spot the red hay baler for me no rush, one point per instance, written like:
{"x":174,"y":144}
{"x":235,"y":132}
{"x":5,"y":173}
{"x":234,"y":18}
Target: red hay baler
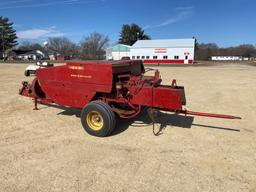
{"x":104,"y":90}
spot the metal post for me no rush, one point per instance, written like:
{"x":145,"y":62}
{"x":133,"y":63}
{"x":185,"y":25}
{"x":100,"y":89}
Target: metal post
{"x":3,"y":45}
{"x":118,"y":51}
{"x":2,"y":26}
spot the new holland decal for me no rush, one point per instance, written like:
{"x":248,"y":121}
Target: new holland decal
{"x":81,"y":76}
{"x":76,"y":67}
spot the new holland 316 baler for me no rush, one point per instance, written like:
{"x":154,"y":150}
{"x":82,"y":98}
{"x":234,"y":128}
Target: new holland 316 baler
{"x":104,"y":90}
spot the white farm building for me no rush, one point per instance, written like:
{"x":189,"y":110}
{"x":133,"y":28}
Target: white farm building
{"x":226,"y":58}
{"x":118,"y":52}
{"x":163,"y":51}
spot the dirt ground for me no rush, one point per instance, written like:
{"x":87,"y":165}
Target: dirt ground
{"x":48,"y":150}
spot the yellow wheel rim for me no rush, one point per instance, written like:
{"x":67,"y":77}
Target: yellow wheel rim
{"x":94,"y":120}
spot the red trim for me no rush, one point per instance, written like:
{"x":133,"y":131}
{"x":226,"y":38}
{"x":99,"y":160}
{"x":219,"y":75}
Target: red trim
{"x":166,"y":61}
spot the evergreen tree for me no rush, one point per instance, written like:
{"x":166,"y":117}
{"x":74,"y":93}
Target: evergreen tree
{"x":7,"y":34}
{"x":131,"y":33}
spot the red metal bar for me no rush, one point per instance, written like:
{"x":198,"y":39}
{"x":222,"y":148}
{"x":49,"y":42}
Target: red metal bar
{"x":186,"y":112}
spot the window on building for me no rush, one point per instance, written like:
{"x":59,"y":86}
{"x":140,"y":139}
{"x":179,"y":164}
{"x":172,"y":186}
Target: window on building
{"x":143,"y":57}
{"x":154,"y":57}
{"x":176,"y":57}
{"x":138,"y":57}
{"x":133,"y":57}
{"x":147,"y":57}
{"x":165,"y":57}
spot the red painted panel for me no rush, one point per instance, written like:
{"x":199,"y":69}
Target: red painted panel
{"x":75,"y":84}
{"x":164,"y":97}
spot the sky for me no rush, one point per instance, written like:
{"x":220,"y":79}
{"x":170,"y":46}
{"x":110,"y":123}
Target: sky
{"x":224,"y":22}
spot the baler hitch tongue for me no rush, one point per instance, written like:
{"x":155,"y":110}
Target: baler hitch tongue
{"x":186,"y":112}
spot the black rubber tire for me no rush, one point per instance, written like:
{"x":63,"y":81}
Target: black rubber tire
{"x":109,"y":119}
{"x":26,"y":73}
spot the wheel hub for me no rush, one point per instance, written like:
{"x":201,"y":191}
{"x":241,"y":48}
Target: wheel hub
{"x":94,"y":120}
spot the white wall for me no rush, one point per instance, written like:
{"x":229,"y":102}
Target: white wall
{"x":160,"y":52}
{"x":119,"y":55}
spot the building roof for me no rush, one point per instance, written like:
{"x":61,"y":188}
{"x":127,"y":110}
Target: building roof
{"x":165,"y":43}
{"x":121,"y":48}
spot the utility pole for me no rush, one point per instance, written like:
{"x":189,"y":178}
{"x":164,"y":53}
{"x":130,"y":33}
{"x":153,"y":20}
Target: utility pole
{"x":3,"y":44}
{"x":2,"y":26}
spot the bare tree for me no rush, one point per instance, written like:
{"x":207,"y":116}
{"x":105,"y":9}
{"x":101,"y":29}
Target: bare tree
{"x":205,"y":51}
{"x":26,"y":45}
{"x":62,"y":45}
{"x":93,"y":47}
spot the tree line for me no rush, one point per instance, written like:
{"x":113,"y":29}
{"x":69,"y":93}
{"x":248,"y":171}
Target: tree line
{"x":94,"y":45}
{"x":90,"y":47}
{"x":205,"y":51}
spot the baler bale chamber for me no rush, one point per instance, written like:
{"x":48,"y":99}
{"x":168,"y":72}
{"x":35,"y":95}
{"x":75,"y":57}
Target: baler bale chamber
{"x":105,"y":90}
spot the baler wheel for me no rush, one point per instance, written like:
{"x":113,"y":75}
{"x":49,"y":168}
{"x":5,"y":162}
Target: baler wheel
{"x":98,"y":119}
{"x":26,"y":73}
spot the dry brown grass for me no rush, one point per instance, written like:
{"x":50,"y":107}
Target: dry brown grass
{"x":48,"y":150}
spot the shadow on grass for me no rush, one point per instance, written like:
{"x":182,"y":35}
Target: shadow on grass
{"x":162,"y":120}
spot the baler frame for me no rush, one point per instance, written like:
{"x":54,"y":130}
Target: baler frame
{"x":123,"y":91}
